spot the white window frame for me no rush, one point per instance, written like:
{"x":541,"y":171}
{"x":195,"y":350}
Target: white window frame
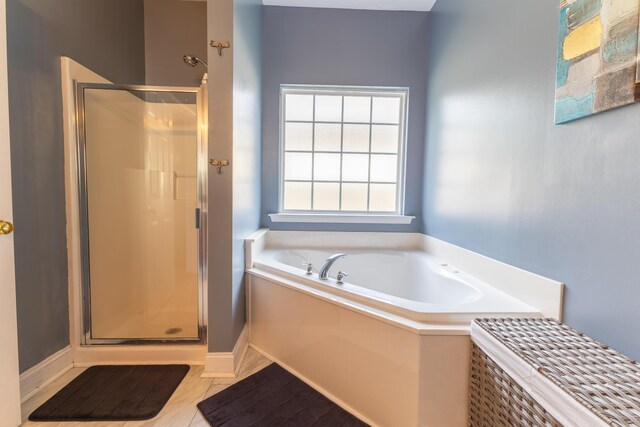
{"x":339,"y":216}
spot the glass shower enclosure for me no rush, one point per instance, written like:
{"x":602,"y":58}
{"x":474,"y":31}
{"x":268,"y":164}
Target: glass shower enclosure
{"x":142,"y":166}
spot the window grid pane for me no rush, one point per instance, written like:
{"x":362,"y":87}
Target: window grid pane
{"x":369,"y":170}
{"x":313,"y":149}
{"x":341,"y":151}
{"x":350,"y":178}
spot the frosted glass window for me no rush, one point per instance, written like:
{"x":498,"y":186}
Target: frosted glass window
{"x":299,"y":107}
{"x":326,"y":167}
{"x":357,"y":109}
{"x":386,"y":110}
{"x":382,"y":197}
{"x":328,"y":108}
{"x":326,"y":197}
{"x":354,"y":197}
{"x":355,"y":167}
{"x":297,"y":195}
{"x":356,"y":138}
{"x":342,"y":149}
{"x":297,"y":166}
{"x":298,"y":136}
{"x":385,"y":138}
{"x":384,"y":168}
{"x":328,"y":137}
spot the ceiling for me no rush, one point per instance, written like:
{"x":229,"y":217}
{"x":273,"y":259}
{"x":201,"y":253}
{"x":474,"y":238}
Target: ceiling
{"x":409,"y":5}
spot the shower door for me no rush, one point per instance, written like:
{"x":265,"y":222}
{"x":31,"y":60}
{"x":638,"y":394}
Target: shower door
{"x":142,"y":191}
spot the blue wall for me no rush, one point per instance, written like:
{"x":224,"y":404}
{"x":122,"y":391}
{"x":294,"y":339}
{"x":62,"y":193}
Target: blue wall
{"x":235,"y":126}
{"x":343,"y":47}
{"x":247,"y":143}
{"x":502,"y":180}
{"x":108,"y":37}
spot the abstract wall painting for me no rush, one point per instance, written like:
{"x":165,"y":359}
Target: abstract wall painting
{"x":598,"y":54}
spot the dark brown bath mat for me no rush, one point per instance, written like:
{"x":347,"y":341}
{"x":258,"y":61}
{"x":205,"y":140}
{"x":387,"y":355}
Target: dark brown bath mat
{"x":113,"y":393}
{"x":273,"y":397}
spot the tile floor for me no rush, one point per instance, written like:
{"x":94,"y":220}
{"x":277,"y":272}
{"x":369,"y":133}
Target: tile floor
{"x":181,"y":409}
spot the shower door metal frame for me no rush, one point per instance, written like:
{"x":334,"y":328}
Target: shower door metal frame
{"x":201,"y":204}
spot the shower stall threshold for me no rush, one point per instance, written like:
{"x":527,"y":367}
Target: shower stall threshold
{"x":191,"y":354}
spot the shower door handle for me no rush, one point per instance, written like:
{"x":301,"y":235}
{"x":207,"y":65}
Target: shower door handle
{"x":198,"y":218}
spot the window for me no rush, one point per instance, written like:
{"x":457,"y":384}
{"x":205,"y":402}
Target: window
{"x":342,"y":150}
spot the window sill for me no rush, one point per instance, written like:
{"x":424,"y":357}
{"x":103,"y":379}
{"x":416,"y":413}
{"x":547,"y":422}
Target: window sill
{"x":341,"y":218}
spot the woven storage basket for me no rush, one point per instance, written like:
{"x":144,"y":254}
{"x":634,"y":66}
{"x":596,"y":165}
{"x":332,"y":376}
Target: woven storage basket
{"x":594,"y":382}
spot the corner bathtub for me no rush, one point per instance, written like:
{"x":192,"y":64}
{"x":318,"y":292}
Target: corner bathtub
{"x":412,"y":284}
{"x":391,"y":345}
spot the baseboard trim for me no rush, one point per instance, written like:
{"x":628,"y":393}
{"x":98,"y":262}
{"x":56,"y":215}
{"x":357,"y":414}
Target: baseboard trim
{"x":44,"y":373}
{"x":313,"y":385}
{"x":227,"y":364}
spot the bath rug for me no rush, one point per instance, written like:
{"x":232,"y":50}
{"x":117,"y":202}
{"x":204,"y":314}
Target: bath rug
{"x":274,"y":397}
{"x":113,"y":393}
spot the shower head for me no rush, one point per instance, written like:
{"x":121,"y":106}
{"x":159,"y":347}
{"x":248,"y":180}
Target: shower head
{"x":193,"y":61}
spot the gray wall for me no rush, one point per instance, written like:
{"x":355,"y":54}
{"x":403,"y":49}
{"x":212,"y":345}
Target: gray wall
{"x":344,"y":47}
{"x":108,"y":37}
{"x":234,"y":134}
{"x":502,"y":180}
{"x":173,"y":28}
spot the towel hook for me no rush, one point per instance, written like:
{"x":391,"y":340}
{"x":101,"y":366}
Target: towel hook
{"x":220,"y":46}
{"x":219,"y":164}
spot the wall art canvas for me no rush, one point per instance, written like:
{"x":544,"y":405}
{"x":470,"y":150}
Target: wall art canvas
{"x":597,"y":57}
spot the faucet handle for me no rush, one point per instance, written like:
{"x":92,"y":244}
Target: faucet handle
{"x":309,"y":267}
{"x":340,"y":278}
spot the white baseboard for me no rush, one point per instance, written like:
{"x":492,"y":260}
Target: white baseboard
{"x":227,"y":364}
{"x":313,"y":385}
{"x":44,"y":373}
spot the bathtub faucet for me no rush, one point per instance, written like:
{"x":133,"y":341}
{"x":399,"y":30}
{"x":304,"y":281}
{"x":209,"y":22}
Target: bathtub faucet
{"x":323,"y":274}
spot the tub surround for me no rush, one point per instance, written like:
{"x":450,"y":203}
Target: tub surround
{"x":543,"y":294}
{"x":412,"y":284}
{"x":342,"y":344}
{"x":385,"y":375}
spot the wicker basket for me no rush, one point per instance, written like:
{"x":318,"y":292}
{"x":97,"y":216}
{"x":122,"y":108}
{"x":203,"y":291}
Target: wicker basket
{"x":497,"y":400}
{"x":594,"y":378}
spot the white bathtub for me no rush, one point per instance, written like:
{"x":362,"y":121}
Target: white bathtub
{"x":413,"y":284}
{"x":391,"y":344}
